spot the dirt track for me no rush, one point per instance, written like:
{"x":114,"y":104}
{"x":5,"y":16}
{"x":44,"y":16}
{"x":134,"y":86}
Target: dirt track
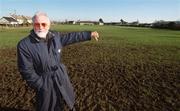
{"x":103,"y":81}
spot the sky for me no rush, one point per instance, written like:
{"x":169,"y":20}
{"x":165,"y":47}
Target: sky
{"x":145,"y":11}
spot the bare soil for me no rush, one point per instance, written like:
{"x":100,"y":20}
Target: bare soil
{"x":104,"y":79}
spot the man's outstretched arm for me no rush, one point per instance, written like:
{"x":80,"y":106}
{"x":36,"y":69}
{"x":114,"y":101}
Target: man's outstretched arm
{"x":75,"y":37}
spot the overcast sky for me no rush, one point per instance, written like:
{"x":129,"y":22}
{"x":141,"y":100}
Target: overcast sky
{"x":108,"y":10}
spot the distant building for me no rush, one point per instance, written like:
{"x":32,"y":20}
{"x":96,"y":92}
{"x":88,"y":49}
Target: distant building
{"x":70,"y":22}
{"x":16,"y":20}
{"x":101,"y":23}
{"x":8,"y":21}
{"x":22,"y":20}
{"x":27,"y":19}
{"x":19,"y":18}
{"x":88,"y":22}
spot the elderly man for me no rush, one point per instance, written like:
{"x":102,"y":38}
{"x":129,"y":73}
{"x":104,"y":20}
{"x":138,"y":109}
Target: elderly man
{"x":39,"y":63}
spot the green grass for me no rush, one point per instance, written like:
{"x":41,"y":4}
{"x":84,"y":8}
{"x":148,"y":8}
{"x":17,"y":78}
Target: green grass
{"x":160,"y":42}
{"x":110,"y":34}
{"x":9,"y":37}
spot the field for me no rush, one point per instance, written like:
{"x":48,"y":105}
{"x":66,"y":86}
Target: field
{"x":129,"y":69}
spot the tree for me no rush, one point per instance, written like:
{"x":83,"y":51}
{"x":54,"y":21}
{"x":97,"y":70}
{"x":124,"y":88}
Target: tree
{"x":172,"y":25}
{"x":123,"y":22}
{"x":101,"y":20}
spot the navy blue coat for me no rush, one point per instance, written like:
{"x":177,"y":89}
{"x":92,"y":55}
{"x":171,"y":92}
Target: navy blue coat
{"x":39,"y":63}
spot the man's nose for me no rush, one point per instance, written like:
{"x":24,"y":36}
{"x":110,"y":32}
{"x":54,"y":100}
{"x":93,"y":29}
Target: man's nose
{"x":40,"y":26}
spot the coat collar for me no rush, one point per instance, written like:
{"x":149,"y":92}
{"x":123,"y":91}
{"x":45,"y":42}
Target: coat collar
{"x":49,"y":36}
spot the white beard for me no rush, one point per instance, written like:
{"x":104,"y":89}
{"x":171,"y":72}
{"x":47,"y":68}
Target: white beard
{"x":41,"y":34}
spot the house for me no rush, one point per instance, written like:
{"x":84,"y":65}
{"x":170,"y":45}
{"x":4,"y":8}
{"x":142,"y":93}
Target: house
{"x":19,"y":18}
{"x":27,"y":19}
{"x":8,"y":21}
{"x":87,"y":22}
{"x":70,"y":22}
{"x":101,"y":23}
{"x":22,"y":20}
{"x":90,"y":23}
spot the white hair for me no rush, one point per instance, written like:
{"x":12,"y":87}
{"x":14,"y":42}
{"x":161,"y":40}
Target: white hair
{"x":37,"y":14}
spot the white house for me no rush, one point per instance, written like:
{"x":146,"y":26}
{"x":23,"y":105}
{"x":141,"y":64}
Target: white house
{"x":22,"y":20}
{"x":27,"y":19}
{"x":8,"y":21}
{"x":101,"y":23}
{"x":19,"y":18}
{"x":88,"y":22}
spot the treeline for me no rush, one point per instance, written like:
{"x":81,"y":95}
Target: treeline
{"x":161,"y":24}
{"x":175,"y":25}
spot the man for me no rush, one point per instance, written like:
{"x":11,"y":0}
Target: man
{"x":40,"y":64}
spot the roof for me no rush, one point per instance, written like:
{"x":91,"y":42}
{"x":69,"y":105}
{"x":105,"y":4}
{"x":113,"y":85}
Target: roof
{"x":27,"y":17}
{"x":10,"y":19}
{"x":17,"y":16}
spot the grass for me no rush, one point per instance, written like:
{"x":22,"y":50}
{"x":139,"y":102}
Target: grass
{"x":159,"y":42}
{"x":111,"y":34}
{"x":9,"y":37}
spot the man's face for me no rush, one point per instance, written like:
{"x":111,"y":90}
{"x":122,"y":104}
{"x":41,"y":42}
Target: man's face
{"x":41,"y":26}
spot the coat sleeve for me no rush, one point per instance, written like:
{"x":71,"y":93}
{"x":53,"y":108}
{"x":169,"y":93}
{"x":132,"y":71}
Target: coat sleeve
{"x":74,"y":37}
{"x":26,"y":69}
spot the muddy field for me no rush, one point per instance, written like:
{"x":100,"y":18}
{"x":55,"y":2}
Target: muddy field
{"x":105,"y":78}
